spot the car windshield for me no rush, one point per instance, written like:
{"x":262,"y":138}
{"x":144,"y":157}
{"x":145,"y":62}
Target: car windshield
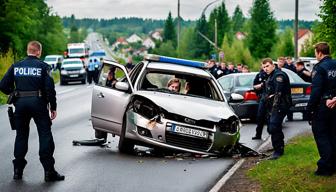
{"x":245,"y":81}
{"x":98,"y":54}
{"x":226,"y":83}
{"x":181,"y":84}
{"x":72,"y":62}
{"x":76,"y":50}
{"x":50,"y":59}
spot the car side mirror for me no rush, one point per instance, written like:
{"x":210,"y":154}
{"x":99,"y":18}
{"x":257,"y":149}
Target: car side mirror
{"x":123,"y":86}
{"x":236,"y":98}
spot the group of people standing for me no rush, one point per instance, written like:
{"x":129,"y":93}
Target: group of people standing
{"x":220,"y":69}
{"x":93,"y":68}
{"x":273,"y":88}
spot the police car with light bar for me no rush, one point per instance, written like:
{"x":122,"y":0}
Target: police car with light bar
{"x":141,"y":108}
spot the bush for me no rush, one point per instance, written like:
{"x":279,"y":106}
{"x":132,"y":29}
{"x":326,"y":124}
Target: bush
{"x":6,"y":60}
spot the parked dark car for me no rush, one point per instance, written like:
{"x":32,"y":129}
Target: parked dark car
{"x":242,"y":83}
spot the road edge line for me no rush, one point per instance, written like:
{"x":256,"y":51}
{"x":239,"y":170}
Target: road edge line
{"x":234,"y":168}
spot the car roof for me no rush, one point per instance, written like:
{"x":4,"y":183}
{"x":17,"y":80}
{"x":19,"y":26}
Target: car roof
{"x":240,"y":74}
{"x":177,"y":68}
{"x":53,"y":56}
{"x":72,"y":59}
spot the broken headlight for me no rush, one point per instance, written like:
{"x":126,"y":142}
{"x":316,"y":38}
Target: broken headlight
{"x":146,"y":108}
{"x":230,"y":125}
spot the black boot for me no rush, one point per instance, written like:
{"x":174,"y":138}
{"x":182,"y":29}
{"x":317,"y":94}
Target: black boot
{"x":256,"y":137}
{"x":18,"y":174}
{"x":50,"y":176}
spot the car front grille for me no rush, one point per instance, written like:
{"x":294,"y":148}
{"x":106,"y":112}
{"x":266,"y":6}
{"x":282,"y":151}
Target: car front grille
{"x":188,"y":142}
{"x":180,"y":118}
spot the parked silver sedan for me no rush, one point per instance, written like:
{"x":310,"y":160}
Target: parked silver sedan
{"x":142,"y":109}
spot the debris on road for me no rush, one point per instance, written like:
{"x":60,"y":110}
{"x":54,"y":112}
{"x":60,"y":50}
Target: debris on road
{"x":91,"y":142}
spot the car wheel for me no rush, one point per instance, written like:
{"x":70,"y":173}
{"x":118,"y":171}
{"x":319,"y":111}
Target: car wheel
{"x":84,"y":81}
{"x":125,"y":145}
{"x":100,"y":134}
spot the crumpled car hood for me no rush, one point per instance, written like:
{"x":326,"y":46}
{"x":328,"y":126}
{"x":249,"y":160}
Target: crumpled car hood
{"x":191,"y":107}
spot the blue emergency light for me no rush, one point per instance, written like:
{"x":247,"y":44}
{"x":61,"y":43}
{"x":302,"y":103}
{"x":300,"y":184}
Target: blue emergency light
{"x":164,"y":59}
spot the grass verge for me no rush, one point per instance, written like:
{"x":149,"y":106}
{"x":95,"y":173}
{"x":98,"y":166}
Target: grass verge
{"x":294,"y":171}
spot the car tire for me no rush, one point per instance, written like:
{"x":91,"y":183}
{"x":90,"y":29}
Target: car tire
{"x":84,"y":81}
{"x":101,"y":134}
{"x":125,"y":145}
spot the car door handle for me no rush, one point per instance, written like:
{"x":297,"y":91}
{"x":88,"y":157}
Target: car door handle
{"x":100,"y":95}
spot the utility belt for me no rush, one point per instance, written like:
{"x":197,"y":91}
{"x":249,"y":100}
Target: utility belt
{"x":28,"y":93}
{"x":17,"y":94}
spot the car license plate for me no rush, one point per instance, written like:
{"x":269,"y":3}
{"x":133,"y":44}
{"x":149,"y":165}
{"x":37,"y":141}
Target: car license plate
{"x":73,"y":72}
{"x":301,"y":105}
{"x":298,"y":90}
{"x":189,"y":131}
{"x":73,"y":75}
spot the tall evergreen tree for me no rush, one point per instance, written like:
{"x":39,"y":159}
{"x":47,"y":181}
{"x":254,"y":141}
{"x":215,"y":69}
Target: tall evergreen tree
{"x":169,"y":33}
{"x":238,"y":19}
{"x":221,"y":16}
{"x":261,"y":36}
{"x":223,"y":23}
{"x":326,"y":30}
{"x":202,"y":46}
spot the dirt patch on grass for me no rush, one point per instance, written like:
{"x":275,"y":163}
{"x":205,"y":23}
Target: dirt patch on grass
{"x":240,"y":182}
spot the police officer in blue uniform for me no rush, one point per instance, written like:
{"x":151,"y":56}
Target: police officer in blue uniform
{"x":213,"y":69}
{"x":278,"y":100}
{"x":259,"y":87}
{"x":34,"y":90}
{"x":91,"y":69}
{"x":322,"y":107}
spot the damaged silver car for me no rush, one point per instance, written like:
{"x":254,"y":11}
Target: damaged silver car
{"x":142,"y":109}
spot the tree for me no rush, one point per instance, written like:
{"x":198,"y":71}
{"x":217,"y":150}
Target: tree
{"x":187,"y":46}
{"x":261,"y":36}
{"x":24,"y":20}
{"x":221,"y":16}
{"x":166,"y":49}
{"x":284,"y":45}
{"x":326,"y":30}
{"x":236,"y":52}
{"x":202,"y":46}
{"x":238,"y":19}
{"x":169,"y":33}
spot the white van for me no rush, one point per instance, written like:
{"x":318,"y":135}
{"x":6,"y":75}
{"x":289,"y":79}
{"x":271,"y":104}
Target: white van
{"x":53,"y":60}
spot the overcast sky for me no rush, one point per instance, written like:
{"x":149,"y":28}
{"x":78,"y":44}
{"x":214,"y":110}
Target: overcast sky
{"x":158,"y":9}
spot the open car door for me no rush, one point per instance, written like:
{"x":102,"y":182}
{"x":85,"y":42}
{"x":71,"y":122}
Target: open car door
{"x":110,"y":98}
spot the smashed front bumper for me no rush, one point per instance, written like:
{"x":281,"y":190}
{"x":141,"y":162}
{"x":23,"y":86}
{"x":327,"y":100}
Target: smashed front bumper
{"x":162,"y":133}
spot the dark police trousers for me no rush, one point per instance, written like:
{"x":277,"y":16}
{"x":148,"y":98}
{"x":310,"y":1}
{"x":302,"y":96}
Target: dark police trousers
{"x":261,"y":117}
{"x":324,"y":130}
{"x":36,"y":108}
{"x":274,"y":128}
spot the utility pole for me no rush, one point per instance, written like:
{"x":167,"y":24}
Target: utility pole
{"x":216,"y":37}
{"x":202,"y":35}
{"x":296,"y":23}
{"x":178,"y":27}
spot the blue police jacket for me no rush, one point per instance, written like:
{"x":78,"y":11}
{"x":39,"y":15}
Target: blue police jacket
{"x":30,"y":74}
{"x":278,"y":85}
{"x":323,"y":82}
{"x":93,"y":64}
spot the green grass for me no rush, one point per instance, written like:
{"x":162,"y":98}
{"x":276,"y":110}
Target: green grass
{"x":294,"y":171}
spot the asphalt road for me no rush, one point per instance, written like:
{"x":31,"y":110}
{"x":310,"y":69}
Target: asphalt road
{"x":94,"y":168}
